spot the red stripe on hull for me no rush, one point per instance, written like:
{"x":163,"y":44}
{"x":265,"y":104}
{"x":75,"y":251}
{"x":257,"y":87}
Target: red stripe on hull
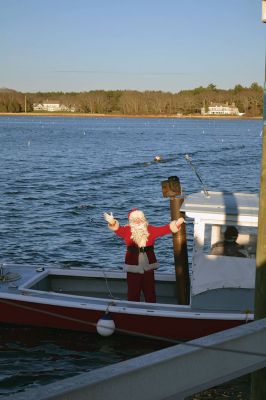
{"x":44,"y":315}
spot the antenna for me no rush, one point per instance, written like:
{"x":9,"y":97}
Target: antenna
{"x":189,"y":160}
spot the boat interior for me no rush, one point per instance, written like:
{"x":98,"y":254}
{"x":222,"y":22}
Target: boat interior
{"x":112,"y":285}
{"x":99,"y":284}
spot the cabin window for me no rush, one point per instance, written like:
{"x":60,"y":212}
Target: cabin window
{"x":229,"y":240}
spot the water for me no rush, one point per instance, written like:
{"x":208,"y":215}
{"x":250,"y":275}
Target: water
{"x":58,"y":176}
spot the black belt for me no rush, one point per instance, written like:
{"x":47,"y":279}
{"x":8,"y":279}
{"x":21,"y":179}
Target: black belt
{"x":135,"y":249}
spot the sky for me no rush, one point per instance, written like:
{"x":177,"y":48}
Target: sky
{"x":167,"y":45}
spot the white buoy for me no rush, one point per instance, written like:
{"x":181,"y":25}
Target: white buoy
{"x":105,"y":325}
{"x":157,"y":158}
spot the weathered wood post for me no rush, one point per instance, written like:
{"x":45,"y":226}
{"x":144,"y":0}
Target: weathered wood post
{"x":171,"y":188}
{"x":258,"y":386}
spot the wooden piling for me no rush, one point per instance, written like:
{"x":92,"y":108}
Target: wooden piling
{"x":259,"y":377}
{"x":171,"y":188}
{"x":258,"y":382}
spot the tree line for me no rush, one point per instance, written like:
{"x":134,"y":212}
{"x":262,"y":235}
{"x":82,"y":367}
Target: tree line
{"x":249,"y":100}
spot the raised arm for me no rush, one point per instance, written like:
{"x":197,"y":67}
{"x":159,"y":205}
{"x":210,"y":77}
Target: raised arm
{"x":113,"y":224}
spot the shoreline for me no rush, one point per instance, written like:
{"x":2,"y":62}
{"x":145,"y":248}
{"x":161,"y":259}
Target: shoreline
{"x":87,"y":115}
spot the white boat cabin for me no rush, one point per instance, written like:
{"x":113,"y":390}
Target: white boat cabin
{"x":222,"y":264}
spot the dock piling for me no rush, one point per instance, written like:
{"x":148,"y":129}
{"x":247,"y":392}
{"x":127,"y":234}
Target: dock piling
{"x":171,"y":188}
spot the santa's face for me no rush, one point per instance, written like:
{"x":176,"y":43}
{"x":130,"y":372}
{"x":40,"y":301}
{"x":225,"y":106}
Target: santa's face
{"x":136,"y":221}
{"x":139,"y":231}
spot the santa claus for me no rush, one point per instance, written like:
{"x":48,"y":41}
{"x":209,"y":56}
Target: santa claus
{"x":140,"y":259}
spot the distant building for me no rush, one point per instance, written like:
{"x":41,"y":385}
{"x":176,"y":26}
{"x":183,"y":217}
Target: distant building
{"x":220,"y":109}
{"x":52,"y":106}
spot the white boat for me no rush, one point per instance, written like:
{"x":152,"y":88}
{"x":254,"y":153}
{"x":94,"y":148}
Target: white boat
{"x":86,"y":299}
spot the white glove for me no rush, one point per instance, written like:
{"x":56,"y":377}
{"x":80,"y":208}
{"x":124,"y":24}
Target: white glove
{"x":180,"y":221}
{"x":109,"y":218}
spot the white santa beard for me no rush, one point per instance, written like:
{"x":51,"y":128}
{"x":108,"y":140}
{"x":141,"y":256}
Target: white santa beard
{"x":139,"y":233}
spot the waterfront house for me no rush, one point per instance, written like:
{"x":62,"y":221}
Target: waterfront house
{"x":52,"y":106}
{"x":220,"y":109}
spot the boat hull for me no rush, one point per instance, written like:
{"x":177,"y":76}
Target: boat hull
{"x":85,"y":319}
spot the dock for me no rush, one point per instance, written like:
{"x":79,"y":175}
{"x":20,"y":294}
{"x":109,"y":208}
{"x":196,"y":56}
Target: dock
{"x":173,"y":373}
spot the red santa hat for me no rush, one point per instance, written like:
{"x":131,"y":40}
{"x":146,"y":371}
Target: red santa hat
{"x":136,"y":213}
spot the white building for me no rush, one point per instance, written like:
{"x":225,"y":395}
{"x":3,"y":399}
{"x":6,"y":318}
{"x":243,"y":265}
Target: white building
{"x":221,"y":109}
{"x":52,"y":106}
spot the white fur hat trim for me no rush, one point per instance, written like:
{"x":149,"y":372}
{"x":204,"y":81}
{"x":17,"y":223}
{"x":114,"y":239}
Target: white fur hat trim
{"x":136,"y":214}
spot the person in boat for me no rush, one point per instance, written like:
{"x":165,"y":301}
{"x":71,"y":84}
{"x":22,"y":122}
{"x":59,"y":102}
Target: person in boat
{"x":229,"y":246}
{"x":140,"y":259}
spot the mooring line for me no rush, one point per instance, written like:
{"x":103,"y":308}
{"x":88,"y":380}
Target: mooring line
{"x":137,"y":334}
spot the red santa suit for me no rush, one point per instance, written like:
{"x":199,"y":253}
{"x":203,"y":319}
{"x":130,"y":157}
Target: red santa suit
{"x":140,"y":261}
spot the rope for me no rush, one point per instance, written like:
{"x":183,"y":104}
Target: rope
{"x":10,"y":277}
{"x":136,"y":334}
{"x":108,"y":287}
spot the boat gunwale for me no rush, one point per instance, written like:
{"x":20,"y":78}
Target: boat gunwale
{"x":130,"y":307}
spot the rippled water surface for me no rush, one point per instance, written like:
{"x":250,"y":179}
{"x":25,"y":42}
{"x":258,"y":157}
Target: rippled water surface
{"x":58,"y":176}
